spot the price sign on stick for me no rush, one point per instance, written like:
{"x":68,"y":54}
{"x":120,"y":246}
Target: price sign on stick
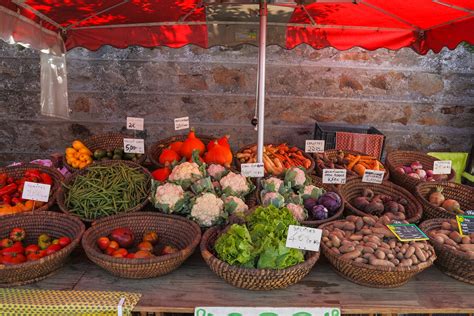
{"x":373,"y":176}
{"x":133,"y":146}
{"x":335,"y":176}
{"x":314,"y":146}
{"x":442,"y":167}
{"x":267,"y":311}
{"x":252,"y":170}
{"x":135,"y":123}
{"x":36,"y":191}
{"x":304,"y":238}
{"x":407,"y":232}
{"x":465,"y":224}
{"x":181,"y":123}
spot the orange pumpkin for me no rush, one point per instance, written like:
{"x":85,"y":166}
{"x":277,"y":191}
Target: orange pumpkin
{"x":219,"y":154}
{"x":224,"y":141}
{"x":168,"y":156}
{"x":176,"y":146}
{"x":191,"y":144}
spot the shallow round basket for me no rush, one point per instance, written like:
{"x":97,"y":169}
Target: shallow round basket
{"x":107,"y":141}
{"x":154,"y":151}
{"x":331,"y":153}
{"x":399,"y":158}
{"x":354,"y":187}
{"x":36,"y":223}
{"x":18,"y":172}
{"x":62,"y":191}
{"x":461,"y":193}
{"x":172,"y":230}
{"x":456,"y":264}
{"x":372,"y":276}
{"x":253,"y":279}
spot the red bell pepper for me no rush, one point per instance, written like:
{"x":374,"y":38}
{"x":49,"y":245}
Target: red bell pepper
{"x":46,"y":179}
{"x":32,"y":173}
{"x":6,"y":199}
{"x":8,"y":189}
{"x":3,"y":179}
{"x":13,"y":250}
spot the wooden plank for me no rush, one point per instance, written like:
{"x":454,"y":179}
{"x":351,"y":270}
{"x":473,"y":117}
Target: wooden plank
{"x":194,"y":284}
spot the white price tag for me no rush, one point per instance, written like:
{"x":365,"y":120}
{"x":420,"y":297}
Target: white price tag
{"x":252,"y":170}
{"x":314,"y":146}
{"x":267,"y":311}
{"x":304,"y":238}
{"x":335,"y":176}
{"x":373,"y":176}
{"x":442,"y":167}
{"x":181,"y":123}
{"x":133,"y":146}
{"x":135,"y":123}
{"x":36,"y":191}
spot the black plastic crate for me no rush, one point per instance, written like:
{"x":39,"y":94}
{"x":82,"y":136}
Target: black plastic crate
{"x":327,"y":132}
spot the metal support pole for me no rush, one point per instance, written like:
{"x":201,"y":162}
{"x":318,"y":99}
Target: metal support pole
{"x":262,"y":46}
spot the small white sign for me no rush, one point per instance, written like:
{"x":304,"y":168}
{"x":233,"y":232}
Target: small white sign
{"x":133,"y":146}
{"x":304,"y":238}
{"x":267,"y":311}
{"x":252,"y":170}
{"x":442,"y":167}
{"x":373,"y":176}
{"x":314,"y":146}
{"x":36,"y":191}
{"x":135,"y":123}
{"x":181,"y":123}
{"x":334,"y":176}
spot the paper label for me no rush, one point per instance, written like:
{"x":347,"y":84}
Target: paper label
{"x":335,"y":176}
{"x":181,"y":123}
{"x":304,"y":238}
{"x":373,"y":176}
{"x":133,"y":146}
{"x":407,"y":232}
{"x":465,"y":224}
{"x":252,"y":170}
{"x":267,"y":311}
{"x":314,"y":146}
{"x":442,"y":167}
{"x":36,"y":191}
{"x":135,"y":123}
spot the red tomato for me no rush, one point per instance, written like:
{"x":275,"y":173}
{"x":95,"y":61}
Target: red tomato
{"x":52,"y":249}
{"x":109,"y":251}
{"x":13,"y":259}
{"x":36,"y":255}
{"x":130,"y":256}
{"x":64,"y":241}
{"x":6,"y":243}
{"x":31,"y":248}
{"x":103,"y":243}
{"x":15,"y":249}
{"x":114,"y":245}
{"x":120,"y":253}
{"x":17,"y":234}
{"x":145,"y":246}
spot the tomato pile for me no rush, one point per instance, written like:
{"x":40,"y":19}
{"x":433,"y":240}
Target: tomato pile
{"x":13,"y":250}
{"x":120,"y":243}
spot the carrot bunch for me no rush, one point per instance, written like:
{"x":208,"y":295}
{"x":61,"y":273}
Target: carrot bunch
{"x":355,"y":164}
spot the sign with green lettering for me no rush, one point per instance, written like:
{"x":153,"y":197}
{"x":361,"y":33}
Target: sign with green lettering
{"x":267,"y":311}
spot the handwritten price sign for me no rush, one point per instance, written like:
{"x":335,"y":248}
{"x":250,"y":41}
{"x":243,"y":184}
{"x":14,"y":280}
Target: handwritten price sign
{"x":135,"y":123}
{"x":442,"y":167}
{"x":36,"y":191}
{"x":373,"y":176}
{"x":133,"y":146}
{"x":314,"y":146}
{"x":304,"y":238}
{"x":334,"y":176}
{"x":252,"y":170}
{"x":181,"y":123}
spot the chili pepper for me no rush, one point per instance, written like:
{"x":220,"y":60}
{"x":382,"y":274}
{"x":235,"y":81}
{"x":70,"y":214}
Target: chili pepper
{"x":6,"y":199}
{"x":8,"y":189}
{"x":46,"y":179}
{"x":33,"y":179}
{"x":32,"y":173}
{"x":20,"y":187}
{"x":3,"y":179}
{"x":17,"y":194}
{"x":16,"y":201}
{"x":10,"y":180}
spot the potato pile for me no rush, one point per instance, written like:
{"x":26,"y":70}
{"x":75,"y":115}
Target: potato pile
{"x":449,"y":236}
{"x":367,"y":240}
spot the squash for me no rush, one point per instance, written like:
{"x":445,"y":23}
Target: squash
{"x":224,"y":141}
{"x":191,"y":144}
{"x":219,"y":154}
{"x":168,"y":156}
{"x":176,"y":146}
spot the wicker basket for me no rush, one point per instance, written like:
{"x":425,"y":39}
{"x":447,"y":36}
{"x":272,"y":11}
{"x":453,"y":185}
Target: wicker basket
{"x":396,"y":159}
{"x":354,"y":187}
{"x":36,"y":223}
{"x":372,"y":276}
{"x":62,"y":191}
{"x":155,"y":150}
{"x":18,"y":171}
{"x":461,"y":193}
{"x":107,"y":141}
{"x":331,"y":153}
{"x":308,"y":171}
{"x":253,"y":279}
{"x":177,"y":231}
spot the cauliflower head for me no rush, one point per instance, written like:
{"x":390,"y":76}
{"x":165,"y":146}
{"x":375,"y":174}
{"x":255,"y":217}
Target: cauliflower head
{"x":272,"y":184}
{"x":298,"y":211}
{"x":170,"y":198}
{"x":235,"y":184}
{"x":216,"y":171}
{"x":295,"y":177}
{"x":311,"y":191}
{"x":185,"y":174}
{"x":233,"y":204}
{"x":272,"y":198}
{"x":208,"y":210}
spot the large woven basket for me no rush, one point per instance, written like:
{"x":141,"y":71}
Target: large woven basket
{"x":107,"y":141}
{"x":253,"y":279}
{"x":461,"y":193}
{"x":19,"y":171}
{"x":36,"y":223}
{"x":372,"y":276}
{"x":62,"y":191}
{"x":454,"y":263}
{"x":155,"y":150}
{"x":238,"y":163}
{"x":174,"y":230}
{"x":331,"y":153}
{"x":396,"y":159}
{"x":354,"y":187}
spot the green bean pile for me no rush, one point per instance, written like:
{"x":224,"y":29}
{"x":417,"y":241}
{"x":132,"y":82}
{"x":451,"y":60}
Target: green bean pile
{"x":106,"y":190}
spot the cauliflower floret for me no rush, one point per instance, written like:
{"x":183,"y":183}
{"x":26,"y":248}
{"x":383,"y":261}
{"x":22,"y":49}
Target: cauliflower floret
{"x":298,"y":211}
{"x":185,"y":171}
{"x":234,"y":184}
{"x":273,"y":198}
{"x":216,"y":171}
{"x":309,"y":189}
{"x":235,"y":204}
{"x":169,"y":194}
{"x":272,"y":184}
{"x":207,"y":210}
{"x":295,"y":176}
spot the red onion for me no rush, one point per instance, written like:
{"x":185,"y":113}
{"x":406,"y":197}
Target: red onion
{"x":414,"y":175}
{"x":421,"y":173}
{"x":400,"y":170}
{"x":407,"y":169}
{"x":429,"y":173}
{"x":416,"y":165}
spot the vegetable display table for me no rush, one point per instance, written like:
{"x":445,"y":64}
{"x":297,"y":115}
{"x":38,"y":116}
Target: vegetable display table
{"x":194,"y":284}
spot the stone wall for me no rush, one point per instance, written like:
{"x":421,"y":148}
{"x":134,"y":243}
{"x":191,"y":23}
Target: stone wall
{"x":419,"y":102}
